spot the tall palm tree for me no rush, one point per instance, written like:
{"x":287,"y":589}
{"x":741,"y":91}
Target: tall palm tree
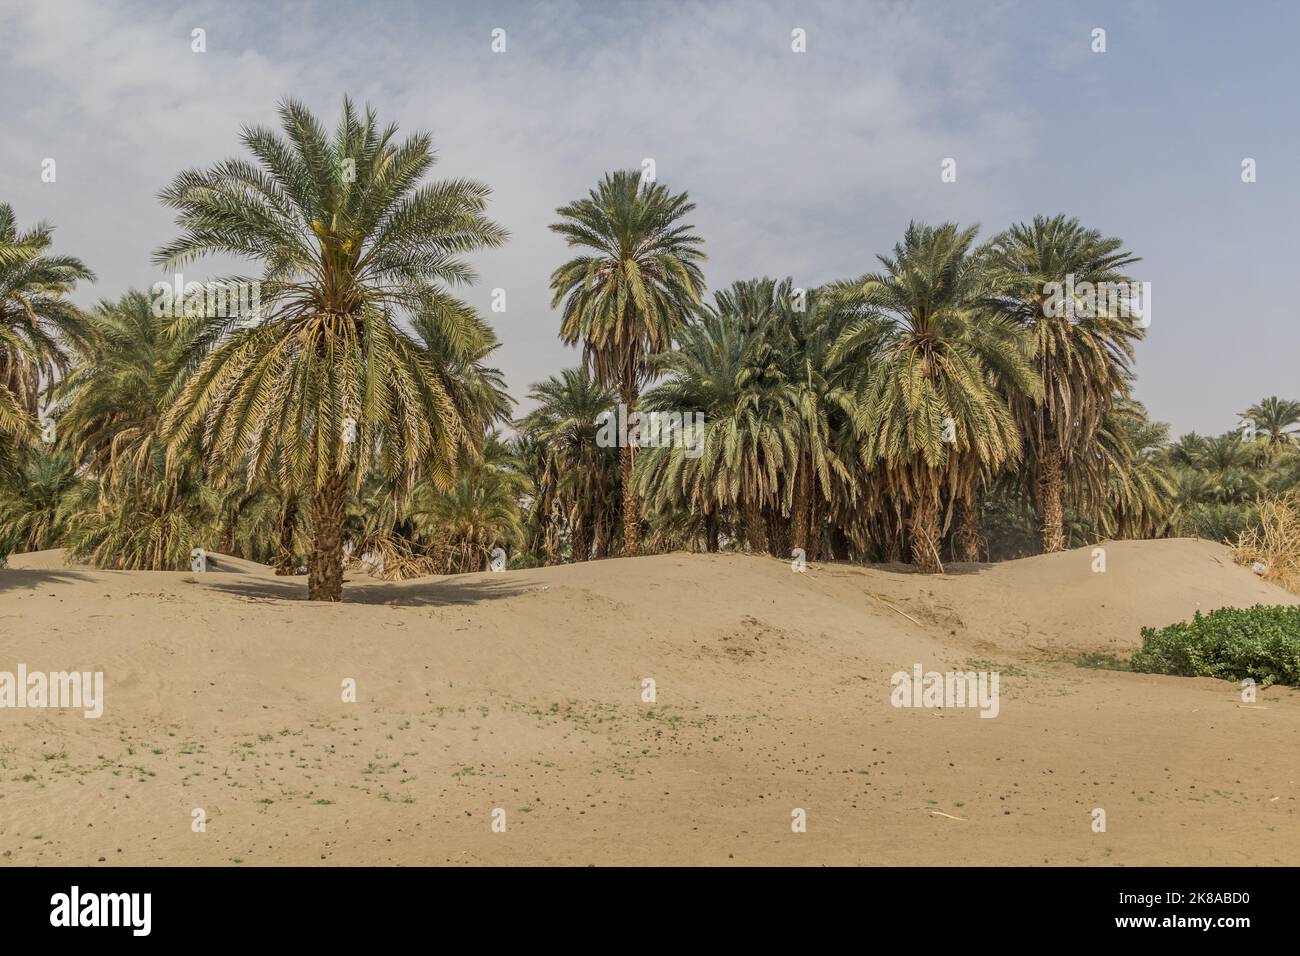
{"x":39,"y":325}
{"x":1082,"y":356}
{"x":931,"y":405}
{"x":1277,"y":420}
{"x":628,"y":294}
{"x":350,"y":243}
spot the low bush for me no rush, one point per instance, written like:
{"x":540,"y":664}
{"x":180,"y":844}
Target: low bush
{"x":1261,"y":642}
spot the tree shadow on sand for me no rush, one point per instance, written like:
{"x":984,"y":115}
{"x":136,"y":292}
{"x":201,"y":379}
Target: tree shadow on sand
{"x":427,"y":592}
{"x":12,"y":579}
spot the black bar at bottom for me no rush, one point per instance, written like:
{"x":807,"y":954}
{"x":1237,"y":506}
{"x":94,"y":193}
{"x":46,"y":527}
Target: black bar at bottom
{"x":331,"y":906}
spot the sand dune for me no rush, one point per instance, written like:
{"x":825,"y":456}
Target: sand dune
{"x":523,"y":691}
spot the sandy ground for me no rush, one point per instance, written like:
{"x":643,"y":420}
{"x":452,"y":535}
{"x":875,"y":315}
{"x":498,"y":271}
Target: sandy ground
{"x":523,"y":691}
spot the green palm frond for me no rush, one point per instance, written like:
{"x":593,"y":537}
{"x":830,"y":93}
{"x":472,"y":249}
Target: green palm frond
{"x":357,"y":256}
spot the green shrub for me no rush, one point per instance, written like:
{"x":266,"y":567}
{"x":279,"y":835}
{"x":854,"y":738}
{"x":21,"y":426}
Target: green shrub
{"x":1261,"y":642}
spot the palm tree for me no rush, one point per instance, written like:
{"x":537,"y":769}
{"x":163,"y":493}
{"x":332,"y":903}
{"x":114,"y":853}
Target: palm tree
{"x":38,"y":326}
{"x":146,"y":520}
{"x":127,"y":374}
{"x":131,"y":511}
{"x":476,"y":515}
{"x":818,"y":404}
{"x":725,"y":368}
{"x":32,"y":512}
{"x":1187,"y":451}
{"x":1082,"y":356}
{"x":1230,"y":466}
{"x":630,"y":292}
{"x":1275,"y":419}
{"x":1140,"y":495}
{"x":350,"y":243}
{"x":931,"y":409}
{"x":576,"y":478}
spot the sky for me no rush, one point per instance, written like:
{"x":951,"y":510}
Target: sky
{"x":802,"y":164}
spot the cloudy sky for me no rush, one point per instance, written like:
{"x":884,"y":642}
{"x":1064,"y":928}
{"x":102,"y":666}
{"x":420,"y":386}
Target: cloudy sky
{"x":804,"y":165}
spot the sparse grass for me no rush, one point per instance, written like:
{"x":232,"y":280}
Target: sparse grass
{"x":1003,"y":670}
{"x":1101,"y":662}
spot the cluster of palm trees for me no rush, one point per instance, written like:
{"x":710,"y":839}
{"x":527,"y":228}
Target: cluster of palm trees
{"x":1221,"y":479}
{"x":867,"y":418}
{"x":936,"y":408}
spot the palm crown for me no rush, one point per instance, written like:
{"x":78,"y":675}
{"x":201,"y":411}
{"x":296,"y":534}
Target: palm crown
{"x":39,"y":326}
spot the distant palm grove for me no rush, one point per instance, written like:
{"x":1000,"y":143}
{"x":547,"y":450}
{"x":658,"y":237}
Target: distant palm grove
{"x":936,"y":408}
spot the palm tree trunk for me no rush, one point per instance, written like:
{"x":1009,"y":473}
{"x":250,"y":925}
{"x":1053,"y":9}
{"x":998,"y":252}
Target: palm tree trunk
{"x":631,"y":500}
{"x":1050,"y":498}
{"x":802,"y":506}
{"x":581,"y":542}
{"x":839,"y":544}
{"x":549,"y":548}
{"x":711,"y":532}
{"x":924,"y":528}
{"x":286,"y":561}
{"x":816,"y":529}
{"x":778,"y":532}
{"x":969,"y":539}
{"x":891,"y":540}
{"x":325,"y":566}
{"x":755,"y":539}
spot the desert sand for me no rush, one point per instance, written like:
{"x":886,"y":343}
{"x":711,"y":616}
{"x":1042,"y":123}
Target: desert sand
{"x":522,"y":691}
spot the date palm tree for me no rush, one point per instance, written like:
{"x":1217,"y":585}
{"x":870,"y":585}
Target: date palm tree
{"x":576,"y":478}
{"x":1140,"y":493}
{"x":726,"y":369}
{"x":111,"y":403}
{"x":476,"y":514}
{"x":33,"y":515}
{"x":351,"y":242}
{"x":1277,"y":420}
{"x":629,"y":292}
{"x":932,"y":409}
{"x":39,"y":326}
{"x":1083,"y":356}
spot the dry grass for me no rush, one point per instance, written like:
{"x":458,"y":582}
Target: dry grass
{"x":1275,"y":542}
{"x":390,"y":557}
